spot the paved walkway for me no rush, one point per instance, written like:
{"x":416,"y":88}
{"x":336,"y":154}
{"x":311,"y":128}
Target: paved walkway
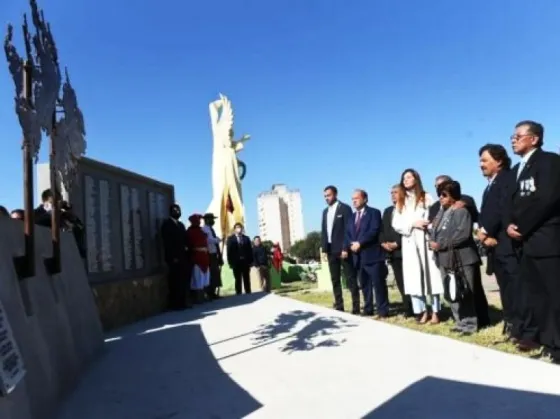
{"x":272,"y":357}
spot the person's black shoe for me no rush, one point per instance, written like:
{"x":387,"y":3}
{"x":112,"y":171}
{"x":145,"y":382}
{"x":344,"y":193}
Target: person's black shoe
{"x":367,"y":313}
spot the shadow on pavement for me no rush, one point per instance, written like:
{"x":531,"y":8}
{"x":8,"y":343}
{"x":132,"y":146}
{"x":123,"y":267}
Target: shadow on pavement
{"x":162,"y":368}
{"x":437,"y":398}
{"x":317,"y":331}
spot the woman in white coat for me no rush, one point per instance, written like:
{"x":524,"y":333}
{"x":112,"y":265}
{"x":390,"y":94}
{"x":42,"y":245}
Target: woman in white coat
{"x":422,"y":278}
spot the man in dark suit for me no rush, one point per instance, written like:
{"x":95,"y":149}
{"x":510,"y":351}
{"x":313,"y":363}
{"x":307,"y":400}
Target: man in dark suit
{"x":468,"y":201}
{"x":362,"y":245}
{"x":391,"y":243}
{"x":333,"y":230}
{"x":534,"y":226}
{"x":174,"y":238}
{"x":240,"y":259}
{"x":501,"y":259}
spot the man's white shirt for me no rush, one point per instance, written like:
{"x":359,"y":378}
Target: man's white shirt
{"x":331,"y":212}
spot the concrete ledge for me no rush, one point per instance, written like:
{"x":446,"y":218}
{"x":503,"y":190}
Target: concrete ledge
{"x":54,"y":322}
{"x":124,"y":302}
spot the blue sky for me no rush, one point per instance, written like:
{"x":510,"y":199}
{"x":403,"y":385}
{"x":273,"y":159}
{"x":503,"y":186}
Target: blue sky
{"x":341,"y":92}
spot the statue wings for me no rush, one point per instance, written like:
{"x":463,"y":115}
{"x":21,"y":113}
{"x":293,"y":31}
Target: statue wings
{"x":222,"y":120}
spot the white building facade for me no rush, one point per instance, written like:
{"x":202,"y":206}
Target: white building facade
{"x":281,"y":216}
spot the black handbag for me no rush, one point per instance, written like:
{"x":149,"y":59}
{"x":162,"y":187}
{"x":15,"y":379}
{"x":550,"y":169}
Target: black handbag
{"x":454,"y":284}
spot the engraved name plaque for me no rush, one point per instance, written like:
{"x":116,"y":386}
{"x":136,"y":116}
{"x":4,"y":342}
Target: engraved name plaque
{"x":105,"y":230}
{"x":126,"y":220}
{"x":137,"y":229}
{"x":12,"y":369}
{"x":91,"y":224}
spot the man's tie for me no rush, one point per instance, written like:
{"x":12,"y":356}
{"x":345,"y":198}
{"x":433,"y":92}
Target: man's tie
{"x":520,"y":168}
{"x":485,"y":194}
{"x":358,"y":219}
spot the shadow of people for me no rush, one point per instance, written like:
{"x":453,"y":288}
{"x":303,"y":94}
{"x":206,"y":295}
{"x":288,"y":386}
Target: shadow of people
{"x":317,"y":331}
{"x":165,"y":372}
{"x":437,"y":398}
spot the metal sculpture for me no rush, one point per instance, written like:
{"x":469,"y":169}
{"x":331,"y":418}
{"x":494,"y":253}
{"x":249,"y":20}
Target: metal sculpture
{"x":37,"y":81}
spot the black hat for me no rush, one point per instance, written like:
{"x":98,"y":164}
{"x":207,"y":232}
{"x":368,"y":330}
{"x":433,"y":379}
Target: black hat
{"x":209,"y":216}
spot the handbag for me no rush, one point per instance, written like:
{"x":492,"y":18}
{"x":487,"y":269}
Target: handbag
{"x":454,"y":284}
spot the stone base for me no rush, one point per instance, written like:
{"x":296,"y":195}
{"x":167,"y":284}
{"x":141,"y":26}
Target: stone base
{"x":124,"y":302}
{"x":53,"y":319}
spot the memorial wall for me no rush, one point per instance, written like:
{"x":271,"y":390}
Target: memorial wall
{"x":122,"y":213}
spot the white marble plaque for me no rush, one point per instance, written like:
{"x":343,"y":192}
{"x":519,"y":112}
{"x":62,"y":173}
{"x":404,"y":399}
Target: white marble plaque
{"x":12,"y":369}
{"x":137,"y":228}
{"x":126,"y":220}
{"x":105,"y":230}
{"x":90,"y":211}
{"x":162,"y":207}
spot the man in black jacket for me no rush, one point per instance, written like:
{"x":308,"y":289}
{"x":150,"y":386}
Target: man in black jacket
{"x":240,"y":258}
{"x":336,"y":217}
{"x":501,"y":259}
{"x":391,"y":243}
{"x":174,"y":237}
{"x":533,"y":223}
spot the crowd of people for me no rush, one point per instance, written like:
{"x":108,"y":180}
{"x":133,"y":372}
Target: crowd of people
{"x":432,"y":246}
{"x":194,"y":258}
{"x":42,"y":215}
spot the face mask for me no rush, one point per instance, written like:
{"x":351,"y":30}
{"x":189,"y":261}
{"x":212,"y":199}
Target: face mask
{"x":47,"y":206}
{"x":238,"y":231}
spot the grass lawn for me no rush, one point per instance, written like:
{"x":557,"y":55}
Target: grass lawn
{"x":490,"y":337}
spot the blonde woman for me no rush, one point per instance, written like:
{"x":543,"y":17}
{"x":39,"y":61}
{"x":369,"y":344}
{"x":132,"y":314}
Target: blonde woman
{"x":422,"y":278}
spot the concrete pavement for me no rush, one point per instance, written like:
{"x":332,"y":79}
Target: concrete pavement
{"x":272,"y":357}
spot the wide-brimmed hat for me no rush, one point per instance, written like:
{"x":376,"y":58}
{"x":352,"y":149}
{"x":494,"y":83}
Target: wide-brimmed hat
{"x":209,"y":216}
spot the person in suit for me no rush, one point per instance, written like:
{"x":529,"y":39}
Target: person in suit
{"x":533,"y":223}
{"x":501,"y":259}
{"x":174,"y":238}
{"x":336,"y":217}
{"x":391,"y":242}
{"x":466,"y":200}
{"x":240,"y":259}
{"x":363,"y":247}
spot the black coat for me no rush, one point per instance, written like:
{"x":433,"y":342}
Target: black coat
{"x":239,"y":254}
{"x":388,"y":233}
{"x":492,"y":211}
{"x":342,"y":216}
{"x":534,"y":205}
{"x":174,"y":237}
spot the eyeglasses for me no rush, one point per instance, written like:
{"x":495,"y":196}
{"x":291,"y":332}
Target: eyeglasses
{"x":520,"y":137}
{"x":443,"y":195}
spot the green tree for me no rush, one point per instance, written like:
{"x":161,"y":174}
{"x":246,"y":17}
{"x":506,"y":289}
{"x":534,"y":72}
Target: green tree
{"x":308,"y":248}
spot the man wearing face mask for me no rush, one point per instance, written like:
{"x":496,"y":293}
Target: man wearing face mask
{"x":240,"y":258}
{"x":174,"y":237}
{"x":43,"y":212}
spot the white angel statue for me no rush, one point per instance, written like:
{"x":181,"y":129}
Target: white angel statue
{"x":227,"y":202}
